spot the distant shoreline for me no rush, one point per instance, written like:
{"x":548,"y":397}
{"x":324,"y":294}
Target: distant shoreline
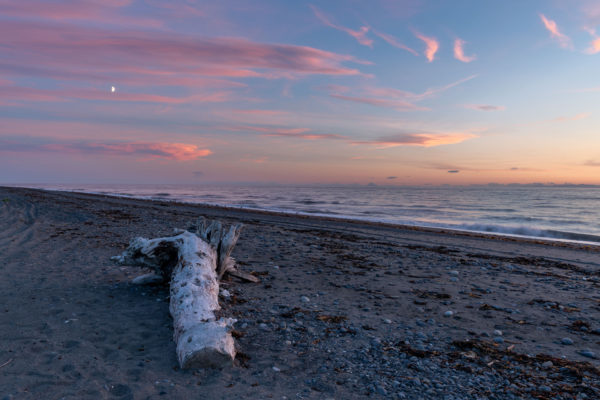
{"x":579,"y":242}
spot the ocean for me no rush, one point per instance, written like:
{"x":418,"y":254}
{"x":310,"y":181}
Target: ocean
{"x":563,"y":212}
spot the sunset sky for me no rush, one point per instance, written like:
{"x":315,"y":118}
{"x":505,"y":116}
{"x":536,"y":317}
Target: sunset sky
{"x":390,"y":92}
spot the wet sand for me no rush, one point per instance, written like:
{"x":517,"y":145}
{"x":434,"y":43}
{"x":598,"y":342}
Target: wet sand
{"x":344,"y":309}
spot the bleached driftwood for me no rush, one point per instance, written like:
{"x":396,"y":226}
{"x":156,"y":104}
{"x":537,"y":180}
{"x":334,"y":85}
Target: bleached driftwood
{"x":193,"y":263}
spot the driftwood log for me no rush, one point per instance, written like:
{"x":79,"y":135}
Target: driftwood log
{"x":193,"y":263}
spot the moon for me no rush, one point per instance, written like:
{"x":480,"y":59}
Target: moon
{"x":112,"y":89}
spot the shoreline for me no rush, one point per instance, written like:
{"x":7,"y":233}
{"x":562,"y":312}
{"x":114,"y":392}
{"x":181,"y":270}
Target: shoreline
{"x":353,"y":220}
{"x":344,"y":309}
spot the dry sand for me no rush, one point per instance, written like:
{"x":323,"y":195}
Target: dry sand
{"x":344,"y":309}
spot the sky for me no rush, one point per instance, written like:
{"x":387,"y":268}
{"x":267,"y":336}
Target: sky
{"x":400,"y":92}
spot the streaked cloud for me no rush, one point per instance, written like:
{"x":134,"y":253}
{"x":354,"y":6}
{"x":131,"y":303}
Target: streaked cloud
{"x":459,"y":53}
{"x":360,"y":35}
{"x":400,"y":105}
{"x":432,"y":46}
{"x":105,"y":12}
{"x":18,"y":93}
{"x":265,"y":129}
{"x":419,"y":139}
{"x":592,"y":163}
{"x":395,"y":42}
{"x":571,"y":118}
{"x":485,"y":107}
{"x":269,"y":131}
{"x":389,"y":97}
{"x":308,"y":136}
{"x":141,"y":150}
{"x":391,"y":177}
{"x":453,"y":171}
{"x":145,"y":56}
{"x":563,"y":40}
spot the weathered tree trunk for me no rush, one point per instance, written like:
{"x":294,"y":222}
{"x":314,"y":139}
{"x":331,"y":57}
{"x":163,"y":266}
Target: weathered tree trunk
{"x":193,"y":264}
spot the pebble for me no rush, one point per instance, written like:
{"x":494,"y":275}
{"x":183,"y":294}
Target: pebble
{"x":264,"y":327}
{"x":588,"y":353}
{"x":387,"y":321}
{"x":276,"y":369}
{"x":499,"y":339}
{"x":497,"y":333}
{"x":454,"y":279}
{"x":454,"y":273}
{"x":567,"y":341}
{"x":304,"y":299}
{"x":448,"y":314}
{"x":547,"y":364}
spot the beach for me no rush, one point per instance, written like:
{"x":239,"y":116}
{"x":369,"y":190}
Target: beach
{"x":344,"y":309}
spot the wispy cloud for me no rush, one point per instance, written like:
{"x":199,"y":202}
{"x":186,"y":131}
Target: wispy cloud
{"x":594,"y":46}
{"x":419,"y":139}
{"x":141,"y":150}
{"x":308,"y":136}
{"x":592,"y":163}
{"x":563,"y":40}
{"x":389,"y":97}
{"x":432,"y":46}
{"x":395,"y":42}
{"x":360,"y":35}
{"x":269,"y":131}
{"x":459,"y":53}
{"x":485,"y":107}
{"x":571,"y":118}
{"x":591,"y":11}
{"x":400,"y":105}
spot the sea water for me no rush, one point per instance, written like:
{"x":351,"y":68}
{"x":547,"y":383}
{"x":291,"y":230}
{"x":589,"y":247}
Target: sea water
{"x":567,"y":212}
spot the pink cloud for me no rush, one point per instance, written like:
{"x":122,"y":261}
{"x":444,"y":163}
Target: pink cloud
{"x":459,"y":53}
{"x":563,"y":40}
{"x":395,"y":42}
{"x":418,"y":139}
{"x":485,"y":107}
{"x":166,"y":56}
{"x":301,"y":133}
{"x":268,"y":130}
{"x":308,"y":136}
{"x":432,"y":46}
{"x":17,"y":93}
{"x":133,"y":76}
{"x":591,"y":12}
{"x":105,"y":12}
{"x":594,"y":46}
{"x":360,"y":35}
{"x":143,"y":150}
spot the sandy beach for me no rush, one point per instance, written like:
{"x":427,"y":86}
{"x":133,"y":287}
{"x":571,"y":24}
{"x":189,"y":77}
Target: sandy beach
{"x":343,"y":310}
